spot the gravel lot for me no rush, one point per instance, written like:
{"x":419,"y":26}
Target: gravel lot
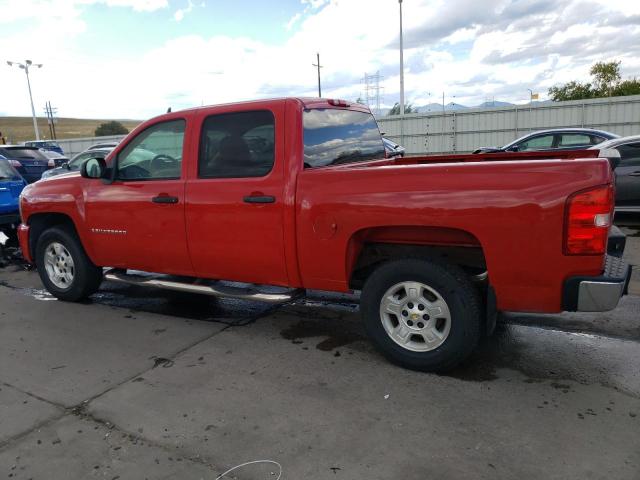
{"x":144,"y":384}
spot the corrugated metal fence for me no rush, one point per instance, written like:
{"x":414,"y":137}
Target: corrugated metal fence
{"x":465,"y":130}
{"x":71,"y":146}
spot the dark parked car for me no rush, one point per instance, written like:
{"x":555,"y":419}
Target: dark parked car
{"x":55,"y":159}
{"x":76,"y":162}
{"x":557,"y":138}
{"x":45,"y":145}
{"x":11,"y":185}
{"x":627,"y":172}
{"x":30,"y":162}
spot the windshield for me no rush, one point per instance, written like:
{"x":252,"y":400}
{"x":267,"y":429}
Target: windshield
{"x":333,"y":136}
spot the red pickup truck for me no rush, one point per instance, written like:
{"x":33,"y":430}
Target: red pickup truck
{"x":293,"y":194}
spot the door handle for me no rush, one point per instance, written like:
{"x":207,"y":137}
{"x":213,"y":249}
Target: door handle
{"x":164,"y":199}
{"x":259,"y":199}
{"x":634,"y":174}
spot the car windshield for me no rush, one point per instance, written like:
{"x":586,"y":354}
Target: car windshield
{"x":27,"y":153}
{"x":7,"y":171}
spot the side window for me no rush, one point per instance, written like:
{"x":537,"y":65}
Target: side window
{"x":537,"y":143}
{"x":236,"y":145}
{"x":568,"y":140}
{"x":595,"y":140}
{"x":629,"y":155}
{"x":154,"y":154}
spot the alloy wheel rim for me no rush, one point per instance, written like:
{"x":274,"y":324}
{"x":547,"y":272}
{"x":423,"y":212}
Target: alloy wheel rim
{"x":415,"y":316}
{"x":59,"y":265}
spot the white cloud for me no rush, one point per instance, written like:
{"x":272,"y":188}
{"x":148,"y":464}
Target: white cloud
{"x":500,"y":53}
{"x":179,"y":14}
{"x":293,"y":20}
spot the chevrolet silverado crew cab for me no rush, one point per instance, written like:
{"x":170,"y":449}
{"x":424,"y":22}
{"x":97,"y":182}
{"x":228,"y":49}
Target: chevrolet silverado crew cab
{"x":265,"y":199}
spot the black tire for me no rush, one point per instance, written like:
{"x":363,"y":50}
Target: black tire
{"x":86,"y":276}
{"x":460,"y":295}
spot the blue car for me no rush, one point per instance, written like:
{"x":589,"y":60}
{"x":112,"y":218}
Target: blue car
{"x":11,"y":185}
{"x":30,"y":162}
{"x":45,"y":145}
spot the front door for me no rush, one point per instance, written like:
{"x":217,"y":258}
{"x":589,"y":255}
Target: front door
{"x":235,"y":199}
{"x":138,"y":222}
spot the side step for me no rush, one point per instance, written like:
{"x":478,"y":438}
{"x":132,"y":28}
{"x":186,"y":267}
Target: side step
{"x":210,"y":288}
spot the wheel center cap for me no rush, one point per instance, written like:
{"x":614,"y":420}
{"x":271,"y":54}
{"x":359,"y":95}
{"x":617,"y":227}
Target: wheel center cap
{"x":414,"y":316}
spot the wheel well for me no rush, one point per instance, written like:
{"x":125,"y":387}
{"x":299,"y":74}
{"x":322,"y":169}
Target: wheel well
{"x":469,"y":258}
{"x":40,"y":222}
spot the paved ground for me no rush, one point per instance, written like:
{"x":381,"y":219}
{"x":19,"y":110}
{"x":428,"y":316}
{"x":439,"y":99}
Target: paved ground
{"x":140,"y":384}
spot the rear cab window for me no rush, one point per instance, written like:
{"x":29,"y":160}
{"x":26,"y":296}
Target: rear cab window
{"x":334,"y":137}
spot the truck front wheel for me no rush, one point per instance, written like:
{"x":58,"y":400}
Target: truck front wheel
{"x":421,"y":314}
{"x":64,"y":268}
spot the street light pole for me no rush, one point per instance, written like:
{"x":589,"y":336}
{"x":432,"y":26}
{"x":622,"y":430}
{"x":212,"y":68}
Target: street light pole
{"x":401,"y":64}
{"x":25,"y":66}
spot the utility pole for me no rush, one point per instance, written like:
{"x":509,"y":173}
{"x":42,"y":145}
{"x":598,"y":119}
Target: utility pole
{"x":25,"y":66}
{"x":50,"y":111}
{"x":319,"y":67}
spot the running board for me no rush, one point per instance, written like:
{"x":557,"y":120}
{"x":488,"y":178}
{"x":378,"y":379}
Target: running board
{"x":249,"y":293}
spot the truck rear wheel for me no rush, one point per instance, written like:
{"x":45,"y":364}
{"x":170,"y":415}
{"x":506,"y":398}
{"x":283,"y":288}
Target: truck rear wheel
{"x":421,"y":314}
{"x":64,"y":268}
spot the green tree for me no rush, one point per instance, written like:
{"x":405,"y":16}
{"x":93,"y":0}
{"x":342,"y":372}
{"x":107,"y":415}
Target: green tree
{"x":395,"y":110}
{"x":626,"y":87}
{"x":572,"y":91}
{"x":110,"y":128}
{"x":605,"y":76}
{"x":607,"y":82}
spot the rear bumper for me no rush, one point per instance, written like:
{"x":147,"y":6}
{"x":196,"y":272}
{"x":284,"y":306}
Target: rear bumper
{"x":597,"y":294}
{"x":23,"y":238}
{"x":9,"y":218}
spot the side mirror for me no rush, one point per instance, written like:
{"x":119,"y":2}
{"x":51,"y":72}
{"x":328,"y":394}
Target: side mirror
{"x":65,"y":165}
{"x":93,"y":168}
{"x":515,"y":148}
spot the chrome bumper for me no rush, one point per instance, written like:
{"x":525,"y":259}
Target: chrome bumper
{"x":598,"y":294}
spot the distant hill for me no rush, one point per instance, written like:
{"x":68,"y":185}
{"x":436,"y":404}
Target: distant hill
{"x":20,"y":129}
{"x":494,"y":104}
{"x":451,"y":106}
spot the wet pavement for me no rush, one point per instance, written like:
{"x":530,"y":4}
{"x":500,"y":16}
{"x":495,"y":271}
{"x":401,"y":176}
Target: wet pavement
{"x":139,"y":383}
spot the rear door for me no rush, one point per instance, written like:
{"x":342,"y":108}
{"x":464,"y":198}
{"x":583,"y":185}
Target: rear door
{"x":628,"y":176}
{"x":234,"y":198}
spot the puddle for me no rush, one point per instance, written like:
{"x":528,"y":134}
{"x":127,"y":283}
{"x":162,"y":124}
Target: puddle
{"x":544,"y":354}
{"x":335,"y":333}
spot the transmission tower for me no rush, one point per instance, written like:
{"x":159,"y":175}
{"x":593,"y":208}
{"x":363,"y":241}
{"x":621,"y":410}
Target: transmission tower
{"x":372,"y":91}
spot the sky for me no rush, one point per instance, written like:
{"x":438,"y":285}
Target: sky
{"x":132,"y":59}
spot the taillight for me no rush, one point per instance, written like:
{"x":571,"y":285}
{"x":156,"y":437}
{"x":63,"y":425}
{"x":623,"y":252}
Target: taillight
{"x":15,"y":163}
{"x":589,"y":215}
